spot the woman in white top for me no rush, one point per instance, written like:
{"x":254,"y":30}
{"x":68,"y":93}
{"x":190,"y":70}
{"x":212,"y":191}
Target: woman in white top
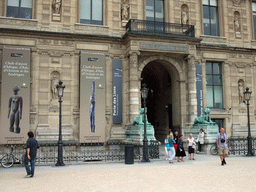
{"x":200,"y":140}
{"x":191,"y":146}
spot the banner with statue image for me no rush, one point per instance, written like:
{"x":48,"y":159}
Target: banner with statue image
{"x":92,"y":97}
{"x":15,"y":95}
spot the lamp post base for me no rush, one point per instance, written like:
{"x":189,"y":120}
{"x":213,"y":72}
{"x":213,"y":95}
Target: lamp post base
{"x":249,"y":140}
{"x":145,"y":160}
{"x":59,"y":164}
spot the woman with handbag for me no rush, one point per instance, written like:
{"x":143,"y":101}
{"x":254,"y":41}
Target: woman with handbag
{"x":191,"y":144}
{"x":167,"y":147}
{"x":180,"y":152}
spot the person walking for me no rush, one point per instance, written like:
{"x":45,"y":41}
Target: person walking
{"x":30,"y":155}
{"x":222,"y":144}
{"x":180,"y":152}
{"x":191,"y":146}
{"x":167,"y":147}
{"x":172,"y":150}
{"x":200,"y":140}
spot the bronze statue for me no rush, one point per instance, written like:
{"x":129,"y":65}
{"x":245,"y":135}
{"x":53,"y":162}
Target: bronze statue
{"x":205,"y":118}
{"x":15,"y":110}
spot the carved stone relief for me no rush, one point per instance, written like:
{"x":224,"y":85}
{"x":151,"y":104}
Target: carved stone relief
{"x":55,"y":77}
{"x":55,"y":42}
{"x":237,"y":24}
{"x":237,"y":1}
{"x":184,"y":14}
{"x":56,"y":6}
{"x":241,"y":90}
{"x":125,"y":12}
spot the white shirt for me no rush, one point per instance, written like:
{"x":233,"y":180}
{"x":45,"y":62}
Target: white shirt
{"x":201,"y":137}
{"x":191,"y":141}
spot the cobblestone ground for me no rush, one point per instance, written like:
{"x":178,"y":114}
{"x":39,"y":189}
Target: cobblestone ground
{"x":203,"y":174}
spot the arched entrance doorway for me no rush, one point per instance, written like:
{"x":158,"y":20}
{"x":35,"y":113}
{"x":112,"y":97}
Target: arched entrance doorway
{"x":163,"y":102}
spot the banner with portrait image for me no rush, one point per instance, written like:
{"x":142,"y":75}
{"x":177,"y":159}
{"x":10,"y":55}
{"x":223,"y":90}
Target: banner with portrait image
{"x":15,"y":95}
{"x":92,"y":97}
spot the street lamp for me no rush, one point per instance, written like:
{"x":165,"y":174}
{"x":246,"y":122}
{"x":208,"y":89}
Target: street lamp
{"x":60,"y":89}
{"x":144,"y":93}
{"x":247,"y":97}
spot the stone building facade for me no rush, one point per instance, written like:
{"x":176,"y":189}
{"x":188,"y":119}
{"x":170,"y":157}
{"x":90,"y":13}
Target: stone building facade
{"x":158,"y":42}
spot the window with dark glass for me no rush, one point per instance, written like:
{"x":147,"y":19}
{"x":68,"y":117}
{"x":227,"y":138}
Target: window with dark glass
{"x":91,"y":12}
{"x":214,"y":87}
{"x":155,"y":13}
{"x":219,"y":122}
{"x":210,"y":20}
{"x":19,"y":9}
{"x":254,"y":17}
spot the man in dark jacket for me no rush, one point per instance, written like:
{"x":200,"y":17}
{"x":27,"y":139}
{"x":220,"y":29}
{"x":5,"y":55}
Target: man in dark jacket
{"x":30,"y":156}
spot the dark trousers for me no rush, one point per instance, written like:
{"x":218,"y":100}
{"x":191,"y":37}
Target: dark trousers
{"x":199,"y":146}
{"x":30,"y":169}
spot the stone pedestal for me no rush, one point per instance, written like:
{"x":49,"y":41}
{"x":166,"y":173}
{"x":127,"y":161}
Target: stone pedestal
{"x":210,"y":130}
{"x":56,"y":17}
{"x":135,"y":134}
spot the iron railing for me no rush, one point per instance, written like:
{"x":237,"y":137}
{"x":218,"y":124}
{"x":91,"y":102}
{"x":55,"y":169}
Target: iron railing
{"x":85,"y":152}
{"x":238,"y":145}
{"x":159,"y":28}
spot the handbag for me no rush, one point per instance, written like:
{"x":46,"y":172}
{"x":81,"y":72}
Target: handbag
{"x":168,"y":148}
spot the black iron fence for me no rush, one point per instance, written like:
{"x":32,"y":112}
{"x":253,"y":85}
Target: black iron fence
{"x":238,"y":145}
{"x":84,"y":152}
{"x":159,"y":28}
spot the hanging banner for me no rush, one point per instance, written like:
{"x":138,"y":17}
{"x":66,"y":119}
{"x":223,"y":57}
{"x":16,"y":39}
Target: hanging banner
{"x":92,"y":97}
{"x":199,"y":90}
{"x":117,"y":91}
{"x":15,"y":95}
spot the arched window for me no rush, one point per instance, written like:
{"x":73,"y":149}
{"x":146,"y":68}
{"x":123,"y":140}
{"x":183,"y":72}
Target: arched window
{"x":91,"y":12}
{"x":19,"y":9}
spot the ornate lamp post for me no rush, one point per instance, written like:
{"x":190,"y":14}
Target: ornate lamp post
{"x":247,"y":97}
{"x":60,"y":89}
{"x":144,"y":92}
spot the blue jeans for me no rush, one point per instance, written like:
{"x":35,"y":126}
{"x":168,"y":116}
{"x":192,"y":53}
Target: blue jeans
{"x":30,"y":169}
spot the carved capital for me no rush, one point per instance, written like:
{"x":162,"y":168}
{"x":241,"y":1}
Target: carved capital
{"x":134,"y":58}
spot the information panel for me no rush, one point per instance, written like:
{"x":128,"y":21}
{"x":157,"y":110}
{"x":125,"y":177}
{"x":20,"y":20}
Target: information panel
{"x":199,"y":90}
{"x":15,"y":95}
{"x":92,"y":97}
{"x":117,"y":91}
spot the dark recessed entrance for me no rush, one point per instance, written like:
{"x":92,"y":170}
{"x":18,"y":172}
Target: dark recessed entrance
{"x":160,"y":98}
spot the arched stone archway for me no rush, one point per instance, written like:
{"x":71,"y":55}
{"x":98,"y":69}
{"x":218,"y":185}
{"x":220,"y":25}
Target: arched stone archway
{"x":166,"y":99}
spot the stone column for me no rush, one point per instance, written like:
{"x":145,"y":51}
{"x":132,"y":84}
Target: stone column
{"x":192,"y":102}
{"x":203,"y":63}
{"x":134,"y":85}
{"x":34,"y":89}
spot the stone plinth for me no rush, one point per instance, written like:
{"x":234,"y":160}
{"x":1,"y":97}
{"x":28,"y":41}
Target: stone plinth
{"x":210,"y":130}
{"x":135,"y":134}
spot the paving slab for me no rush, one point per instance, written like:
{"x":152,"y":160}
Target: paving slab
{"x":203,"y":174}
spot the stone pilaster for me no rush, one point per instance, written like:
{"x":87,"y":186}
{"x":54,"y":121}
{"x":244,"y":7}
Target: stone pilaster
{"x":134,"y":87}
{"x":192,"y":102}
{"x":109,"y":94}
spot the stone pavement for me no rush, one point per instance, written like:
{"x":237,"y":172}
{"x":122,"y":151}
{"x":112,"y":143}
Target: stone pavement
{"x":203,"y":174}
